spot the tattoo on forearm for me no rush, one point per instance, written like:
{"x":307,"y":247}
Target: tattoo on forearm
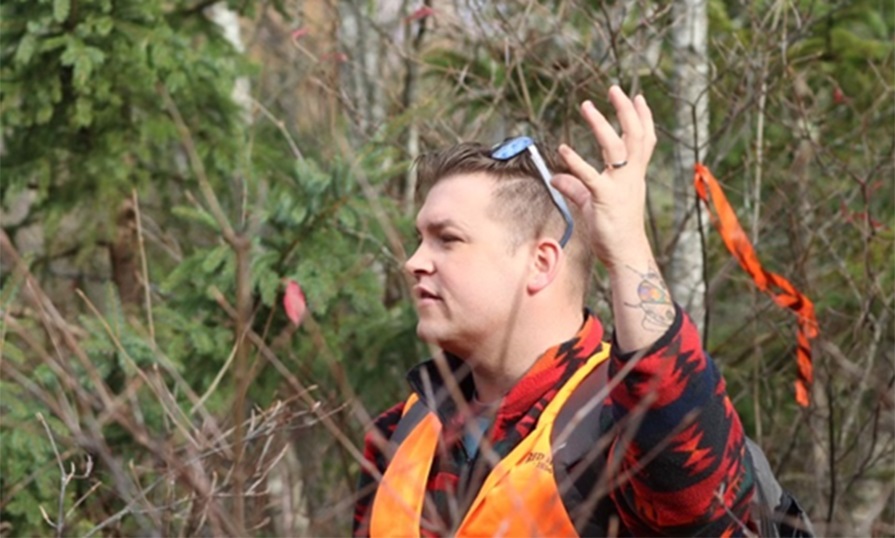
{"x":655,"y":301}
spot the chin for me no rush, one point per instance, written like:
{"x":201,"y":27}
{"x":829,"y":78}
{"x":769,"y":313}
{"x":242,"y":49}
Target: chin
{"x":433,"y":336}
{"x":426,"y":333}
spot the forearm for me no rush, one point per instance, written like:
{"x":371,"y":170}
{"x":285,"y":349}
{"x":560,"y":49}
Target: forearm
{"x":687,"y":446}
{"x":641,"y":304}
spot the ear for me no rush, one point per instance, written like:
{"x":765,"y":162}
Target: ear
{"x":545,"y":265}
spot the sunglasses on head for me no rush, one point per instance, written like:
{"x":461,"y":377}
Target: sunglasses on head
{"x":513,"y":147}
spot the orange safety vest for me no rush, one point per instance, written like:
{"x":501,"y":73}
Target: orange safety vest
{"x":519,"y":497}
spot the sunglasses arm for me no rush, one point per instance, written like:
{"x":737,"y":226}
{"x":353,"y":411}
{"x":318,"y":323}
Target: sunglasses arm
{"x":555,"y":194}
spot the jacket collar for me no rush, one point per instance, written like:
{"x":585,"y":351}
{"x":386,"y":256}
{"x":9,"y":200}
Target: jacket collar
{"x":550,"y":371}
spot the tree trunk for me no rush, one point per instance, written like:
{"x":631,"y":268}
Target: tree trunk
{"x":691,"y":80}
{"x":363,"y":66}
{"x":124,"y":257}
{"x":228,"y":20}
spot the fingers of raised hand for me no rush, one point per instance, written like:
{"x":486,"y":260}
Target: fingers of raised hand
{"x":586,"y":175}
{"x":611,"y":145}
{"x":649,"y":128}
{"x":638,"y":131}
{"x":573,"y":188}
{"x":630,"y":120}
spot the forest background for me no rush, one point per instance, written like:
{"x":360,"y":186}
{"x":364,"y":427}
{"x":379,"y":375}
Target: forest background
{"x":170,"y":167}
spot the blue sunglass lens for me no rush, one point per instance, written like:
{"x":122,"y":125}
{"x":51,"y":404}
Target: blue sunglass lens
{"x":511,"y":148}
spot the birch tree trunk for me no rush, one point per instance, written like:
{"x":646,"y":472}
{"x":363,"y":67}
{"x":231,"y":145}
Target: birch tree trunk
{"x":362,"y":69}
{"x":691,"y":82}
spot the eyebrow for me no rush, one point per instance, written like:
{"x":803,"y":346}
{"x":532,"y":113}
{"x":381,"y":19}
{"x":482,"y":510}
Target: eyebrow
{"x":440,"y":224}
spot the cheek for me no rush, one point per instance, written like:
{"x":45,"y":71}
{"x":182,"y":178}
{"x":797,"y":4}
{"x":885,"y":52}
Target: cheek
{"x":470,"y":283}
{"x":496,"y":285}
{"x":484,"y":282}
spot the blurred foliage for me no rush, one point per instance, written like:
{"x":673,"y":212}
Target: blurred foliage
{"x":84,"y":123}
{"x":81,"y":107}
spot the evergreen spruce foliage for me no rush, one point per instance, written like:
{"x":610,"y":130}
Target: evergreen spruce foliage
{"x":83,"y":113}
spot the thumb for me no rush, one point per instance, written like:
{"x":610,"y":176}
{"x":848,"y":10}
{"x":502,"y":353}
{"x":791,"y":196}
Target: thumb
{"x":572,"y":188}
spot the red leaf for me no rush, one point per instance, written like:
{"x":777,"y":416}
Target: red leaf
{"x":298,"y":33}
{"x":838,"y":95}
{"x":421,"y":13}
{"x":294,"y":302}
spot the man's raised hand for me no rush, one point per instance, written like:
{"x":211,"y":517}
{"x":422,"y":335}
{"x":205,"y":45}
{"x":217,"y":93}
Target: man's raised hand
{"x":612,"y":200}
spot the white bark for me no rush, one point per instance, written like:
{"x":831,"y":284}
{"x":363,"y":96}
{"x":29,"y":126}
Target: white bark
{"x":365,"y":65}
{"x":690,"y":53}
{"x":228,"y":20}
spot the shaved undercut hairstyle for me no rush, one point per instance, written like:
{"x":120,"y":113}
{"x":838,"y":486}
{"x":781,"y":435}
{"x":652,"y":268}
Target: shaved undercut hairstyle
{"x":520,"y":196}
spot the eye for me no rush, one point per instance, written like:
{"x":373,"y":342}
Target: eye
{"x":448,"y":238}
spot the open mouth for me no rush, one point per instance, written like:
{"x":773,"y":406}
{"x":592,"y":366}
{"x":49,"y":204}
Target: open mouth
{"x":422,"y":294}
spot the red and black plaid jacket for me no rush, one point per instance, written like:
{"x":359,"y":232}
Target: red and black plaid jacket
{"x":683,"y":453}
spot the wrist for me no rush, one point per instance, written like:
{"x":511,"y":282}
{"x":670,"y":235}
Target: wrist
{"x":636,"y":253}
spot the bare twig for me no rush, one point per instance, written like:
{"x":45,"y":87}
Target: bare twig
{"x":65,"y":478}
{"x":147,"y":292}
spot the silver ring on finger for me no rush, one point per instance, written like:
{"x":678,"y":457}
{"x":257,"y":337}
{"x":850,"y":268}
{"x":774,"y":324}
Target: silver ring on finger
{"x":616,"y":166}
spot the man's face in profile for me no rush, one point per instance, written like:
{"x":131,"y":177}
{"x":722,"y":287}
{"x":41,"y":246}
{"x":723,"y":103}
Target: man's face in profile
{"x":467,"y":275}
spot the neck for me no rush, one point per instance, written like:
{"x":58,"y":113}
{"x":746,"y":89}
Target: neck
{"x":499,"y":364}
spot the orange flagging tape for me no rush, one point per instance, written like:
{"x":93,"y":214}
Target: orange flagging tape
{"x":780,"y":289}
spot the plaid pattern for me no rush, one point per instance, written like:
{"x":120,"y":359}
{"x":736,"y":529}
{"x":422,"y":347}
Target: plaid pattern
{"x":672,"y":490}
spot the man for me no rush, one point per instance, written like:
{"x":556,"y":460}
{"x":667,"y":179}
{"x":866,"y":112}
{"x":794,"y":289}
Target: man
{"x":531,"y":424}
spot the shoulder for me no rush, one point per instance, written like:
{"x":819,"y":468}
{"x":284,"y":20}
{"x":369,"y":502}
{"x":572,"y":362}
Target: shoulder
{"x":384,"y":424}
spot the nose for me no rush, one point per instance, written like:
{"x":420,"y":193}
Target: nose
{"x":418,"y":263}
